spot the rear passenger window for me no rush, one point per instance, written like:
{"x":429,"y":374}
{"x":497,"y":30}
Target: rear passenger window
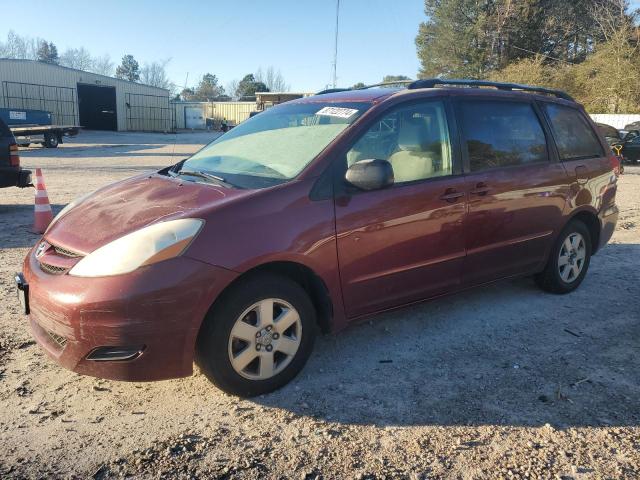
{"x":574,"y":137}
{"x":500,"y":134}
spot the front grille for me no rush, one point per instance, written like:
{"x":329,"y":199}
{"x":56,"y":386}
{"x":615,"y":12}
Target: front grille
{"x":59,"y":340}
{"x":51,"y":269}
{"x":66,"y":253}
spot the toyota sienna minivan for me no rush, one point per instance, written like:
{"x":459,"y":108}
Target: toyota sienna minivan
{"x":312,"y":215}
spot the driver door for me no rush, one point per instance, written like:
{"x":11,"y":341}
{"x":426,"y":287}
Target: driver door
{"x":403,"y":243}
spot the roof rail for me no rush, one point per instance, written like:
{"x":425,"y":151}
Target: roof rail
{"x":382,"y":84}
{"x":432,"y":82}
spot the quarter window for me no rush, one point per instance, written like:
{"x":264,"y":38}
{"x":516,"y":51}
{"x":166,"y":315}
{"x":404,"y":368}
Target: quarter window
{"x":574,"y":137}
{"x":413,"y":139}
{"x":501,"y":134}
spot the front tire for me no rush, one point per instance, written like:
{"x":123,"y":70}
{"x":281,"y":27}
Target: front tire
{"x":568,"y":261}
{"x":258,"y":336}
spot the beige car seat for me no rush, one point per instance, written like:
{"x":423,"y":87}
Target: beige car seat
{"x":411,"y":161}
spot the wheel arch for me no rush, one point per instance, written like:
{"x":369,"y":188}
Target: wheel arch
{"x":592,"y":222}
{"x":310,"y":281}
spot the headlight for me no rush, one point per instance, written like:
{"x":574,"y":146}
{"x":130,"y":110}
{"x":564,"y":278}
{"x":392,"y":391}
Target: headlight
{"x":148,"y":245}
{"x":75,"y":202}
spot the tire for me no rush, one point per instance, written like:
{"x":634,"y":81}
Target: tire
{"x":50,"y":140}
{"x":225,"y":335}
{"x":558,"y":278}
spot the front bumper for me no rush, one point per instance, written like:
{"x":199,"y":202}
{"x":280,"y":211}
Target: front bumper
{"x":14,"y":177}
{"x":157,"y":309}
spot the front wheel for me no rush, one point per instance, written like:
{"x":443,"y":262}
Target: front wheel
{"x":569,"y":260}
{"x":258,"y":336}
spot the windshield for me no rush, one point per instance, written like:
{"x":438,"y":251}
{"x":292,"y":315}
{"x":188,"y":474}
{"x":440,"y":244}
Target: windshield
{"x":275,"y":145}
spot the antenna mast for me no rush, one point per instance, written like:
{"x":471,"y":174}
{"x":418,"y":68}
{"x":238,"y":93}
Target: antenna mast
{"x":335,"y":50}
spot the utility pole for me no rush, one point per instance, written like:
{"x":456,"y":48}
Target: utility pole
{"x":335,"y":50}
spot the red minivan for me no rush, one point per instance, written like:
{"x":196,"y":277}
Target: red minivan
{"x":313,"y":215}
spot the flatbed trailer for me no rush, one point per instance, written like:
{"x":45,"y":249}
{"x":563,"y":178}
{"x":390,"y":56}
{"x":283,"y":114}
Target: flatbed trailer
{"x":49,"y":136}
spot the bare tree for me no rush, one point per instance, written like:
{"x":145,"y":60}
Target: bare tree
{"x":18,"y":47}
{"x":103,"y":66}
{"x":78,"y":58}
{"x":273,"y":79}
{"x":155,"y":74}
{"x":231,"y":88}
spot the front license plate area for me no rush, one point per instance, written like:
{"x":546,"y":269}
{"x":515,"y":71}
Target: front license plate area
{"x":22,"y":288}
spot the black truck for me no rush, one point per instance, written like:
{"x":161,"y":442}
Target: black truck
{"x":35,"y":126}
{"x":11,"y":174}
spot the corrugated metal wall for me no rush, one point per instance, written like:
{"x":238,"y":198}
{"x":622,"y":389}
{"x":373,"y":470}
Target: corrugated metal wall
{"x":233,"y":112}
{"x":617,"y":120}
{"x":40,"y":86}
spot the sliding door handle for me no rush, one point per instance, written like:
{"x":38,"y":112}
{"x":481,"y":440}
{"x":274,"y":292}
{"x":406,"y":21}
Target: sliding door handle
{"x":481,"y":189}
{"x":451,"y":195}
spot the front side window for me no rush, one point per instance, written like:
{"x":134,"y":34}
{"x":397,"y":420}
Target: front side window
{"x":574,"y":137}
{"x":275,"y":145}
{"x":501,"y":134}
{"x":413,"y":139}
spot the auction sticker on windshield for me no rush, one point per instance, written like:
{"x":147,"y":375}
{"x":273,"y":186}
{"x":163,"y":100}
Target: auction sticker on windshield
{"x":337,"y":112}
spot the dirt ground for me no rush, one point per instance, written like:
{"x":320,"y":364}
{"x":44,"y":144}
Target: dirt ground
{"x":503,"y":381}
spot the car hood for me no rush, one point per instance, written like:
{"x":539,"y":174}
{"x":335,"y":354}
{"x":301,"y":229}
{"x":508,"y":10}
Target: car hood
{"x":129,"y":205}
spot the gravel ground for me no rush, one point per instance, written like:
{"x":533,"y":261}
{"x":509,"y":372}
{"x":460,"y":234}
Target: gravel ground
{"x":500,"y":382}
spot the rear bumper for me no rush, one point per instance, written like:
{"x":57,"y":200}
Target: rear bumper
{"x":609,"y":220}
{"x":14,"y":177}
{"x":156,"y":310}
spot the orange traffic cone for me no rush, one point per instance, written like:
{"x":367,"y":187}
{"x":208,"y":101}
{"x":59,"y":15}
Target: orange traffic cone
{"x":43,"y":213}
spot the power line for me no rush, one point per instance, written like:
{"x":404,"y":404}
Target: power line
{"x":542,"y":55}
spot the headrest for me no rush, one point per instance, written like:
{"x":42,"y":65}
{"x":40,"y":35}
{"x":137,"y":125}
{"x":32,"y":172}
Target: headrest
{"x":414,"y":134}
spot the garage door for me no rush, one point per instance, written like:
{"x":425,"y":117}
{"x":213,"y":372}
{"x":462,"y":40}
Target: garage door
{"x":97,"y":107}
{"x":194,"y":118}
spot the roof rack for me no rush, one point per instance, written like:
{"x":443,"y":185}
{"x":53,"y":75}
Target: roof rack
{"x":382,"y":84}
{"x":432,"y":82}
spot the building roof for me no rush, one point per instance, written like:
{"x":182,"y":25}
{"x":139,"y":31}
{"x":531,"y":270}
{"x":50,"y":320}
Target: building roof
{"x":53,"y":65}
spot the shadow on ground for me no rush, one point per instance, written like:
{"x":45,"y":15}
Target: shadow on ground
{"x":568,"y":360}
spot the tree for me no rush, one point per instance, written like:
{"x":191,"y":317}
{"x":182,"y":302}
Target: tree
{"x":248,"y":86}
{"x":273,"y":79}
{"x":394,"y":78}
{"x":187,"y":95}
{"x":208,"y":89}
{"x":18,"y":47}
{"x":358,"y":85}
{"x":129,"y":69}
{"x":103,"y":66}
{"x":468,"y":38}
{"x":47,"y":52}
{"x":78,"y":58}
{"x":155,"y":74}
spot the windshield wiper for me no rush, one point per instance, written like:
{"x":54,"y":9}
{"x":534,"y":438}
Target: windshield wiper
{"x":207,"y":176}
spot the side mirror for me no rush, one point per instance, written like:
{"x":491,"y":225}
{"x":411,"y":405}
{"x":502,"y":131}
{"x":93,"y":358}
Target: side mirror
{"x":372,"y":174}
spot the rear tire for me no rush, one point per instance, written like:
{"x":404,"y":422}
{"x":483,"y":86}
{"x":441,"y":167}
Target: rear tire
{"x":568,"y":261}
{"x":243,"y":349}
{"x":50,"y":140}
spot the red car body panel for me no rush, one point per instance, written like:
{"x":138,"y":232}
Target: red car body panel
{"x":371,"y":251}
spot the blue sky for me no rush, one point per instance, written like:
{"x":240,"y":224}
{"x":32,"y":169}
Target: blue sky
{"x":233,"y":38}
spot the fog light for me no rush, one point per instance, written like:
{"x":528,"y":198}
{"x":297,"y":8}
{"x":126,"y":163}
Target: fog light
{"x":115,"y":354}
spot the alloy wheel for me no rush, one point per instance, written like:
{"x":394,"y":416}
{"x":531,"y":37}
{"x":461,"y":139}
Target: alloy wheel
{"x":264,"y":339}
{"x":571,"y":257}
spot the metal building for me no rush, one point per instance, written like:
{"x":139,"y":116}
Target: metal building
{"x":75,"y":97}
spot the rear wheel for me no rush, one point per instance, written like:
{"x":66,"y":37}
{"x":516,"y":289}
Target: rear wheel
{"x":569,"y":260}
{"x":50,"y":140}
{"x":258,"y":336}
